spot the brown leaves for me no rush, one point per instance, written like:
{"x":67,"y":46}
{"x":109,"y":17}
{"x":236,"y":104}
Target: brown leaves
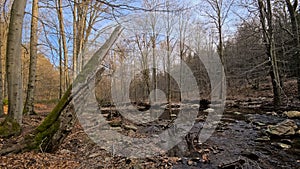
{"x":38,"y":160}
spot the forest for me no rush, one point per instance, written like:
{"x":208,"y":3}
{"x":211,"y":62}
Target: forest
{"x":150,"y":84}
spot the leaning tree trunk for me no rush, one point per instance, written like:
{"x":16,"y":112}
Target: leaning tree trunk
{"x":13,"y":66}
{"x":29,"y":107}
{"x":48,"y":136}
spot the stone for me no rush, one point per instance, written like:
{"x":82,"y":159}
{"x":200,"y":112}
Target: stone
{"x":116,"y":128}
{"x":130,"y":127}
{"x":292,"y":114}
{"x":191,"y":162}
{"x":259,"y":123}
{"x":195,"y":106}
{"x":209,"y":110}
{"x":286,"y":141}
{"x":272,"y":113}
{"x":282,"y":145}
{"x":237,"y":113}
{"x":173,"y":116}
{"x":264,"y":138}
{"x":285,"y":128}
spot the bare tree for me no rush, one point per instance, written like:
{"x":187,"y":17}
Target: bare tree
{"x":170,"y":22}
{"x":86,"y":14}
{"x":143,"y":43}
{"x":64,"y":43}
{"x":292,"y":9}
{"x":29,"y":103}
{"x":153,"y":22}
{"x":184,"y":22}
{"x":266,"y":19}
{"x":219,"y":14}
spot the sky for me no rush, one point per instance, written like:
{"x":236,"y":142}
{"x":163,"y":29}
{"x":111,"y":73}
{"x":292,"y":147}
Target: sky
{"x":51,"y":17}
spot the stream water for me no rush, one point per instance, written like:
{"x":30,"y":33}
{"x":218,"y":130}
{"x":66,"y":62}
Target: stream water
{"x":239,"y":141}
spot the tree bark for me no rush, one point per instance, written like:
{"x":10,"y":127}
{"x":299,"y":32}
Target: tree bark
{"x":29,"y":103}
{"x":13,"y":61}
{"x":1,"y":66}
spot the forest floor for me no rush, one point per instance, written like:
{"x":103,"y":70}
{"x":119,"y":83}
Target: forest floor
{"x":239,"y":141}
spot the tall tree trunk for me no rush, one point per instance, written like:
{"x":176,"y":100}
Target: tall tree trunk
{"x":292,"y":8}
{"x":29,"y":103}
{"x":13,"y":61}
{"x":12,"y":123}
{"x":168,"y":41}
{"x":82,"y":12}
{"x":61,"y":72}
{"x":64,"y":42}
{"x":75,"y":56}
{"x":266,"y":19}
{"x":153,"y":38}
{"x":169,"y":71}
{"x":1,"y":66}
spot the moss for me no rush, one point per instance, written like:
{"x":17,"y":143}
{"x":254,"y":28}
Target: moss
{"x":43,"y":134}
{"x":41,"y":140}
{"x":5,"y":101}
{"x":55,"y":113}
{"x":9,"y":127}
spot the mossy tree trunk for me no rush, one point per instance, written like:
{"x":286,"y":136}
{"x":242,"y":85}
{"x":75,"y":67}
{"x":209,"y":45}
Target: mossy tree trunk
{"x":55,"y":128}
{"x":12,"y":123}
{"x":49,"y":135}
